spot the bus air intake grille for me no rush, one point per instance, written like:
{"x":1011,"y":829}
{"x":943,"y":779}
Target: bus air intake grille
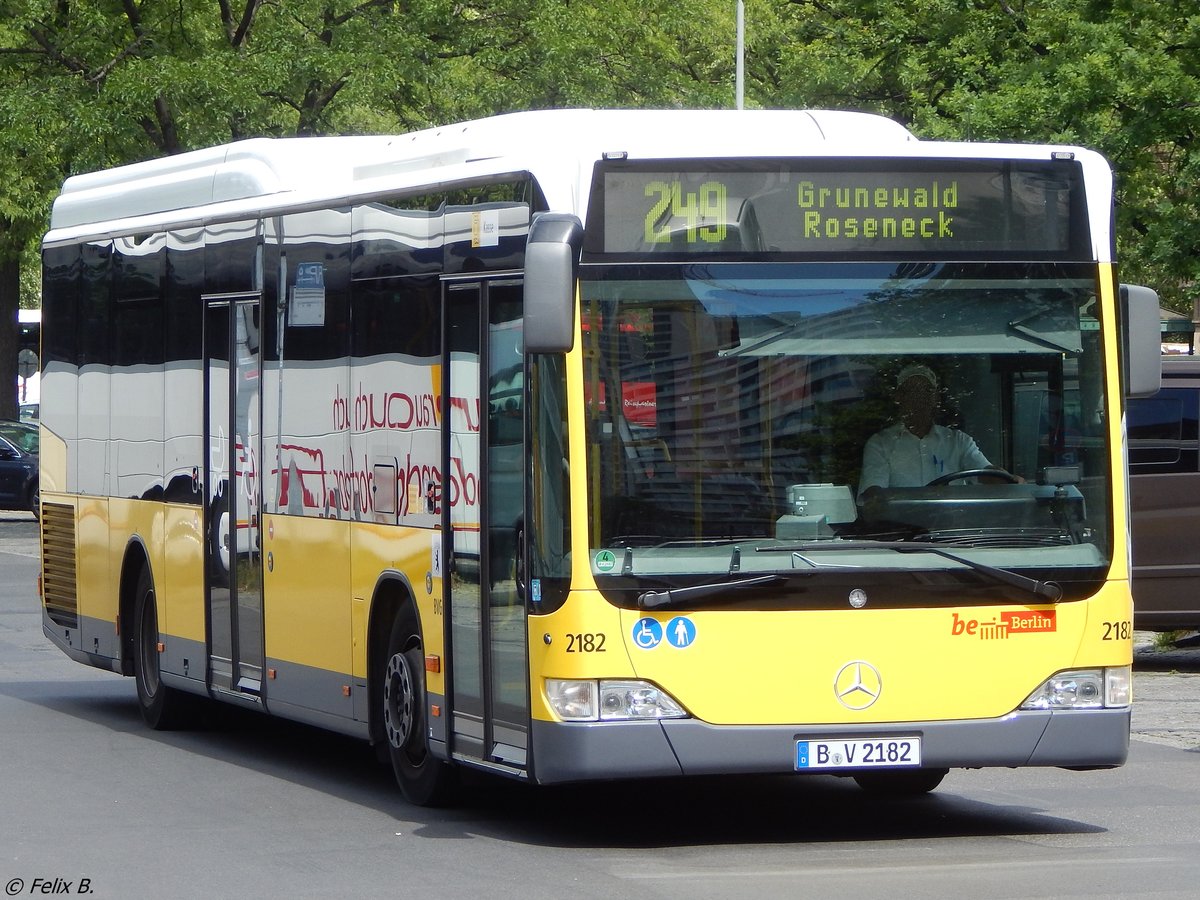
{"x":58,"y":564}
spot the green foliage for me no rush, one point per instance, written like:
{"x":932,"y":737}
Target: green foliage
{"x":1121,"y":76}
{"x":99,"y":83}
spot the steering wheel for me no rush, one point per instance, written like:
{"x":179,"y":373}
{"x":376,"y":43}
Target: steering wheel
{"x":1002,"y":474}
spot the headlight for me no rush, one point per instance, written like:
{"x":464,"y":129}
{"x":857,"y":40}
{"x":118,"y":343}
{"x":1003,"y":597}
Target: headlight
{"x":590,"y":701}
{"x":1118,"y":686}
{"x":574,"y":701}
{"x":1083,"y":689}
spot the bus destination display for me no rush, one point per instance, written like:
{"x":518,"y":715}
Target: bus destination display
{"x":1025,"y":210}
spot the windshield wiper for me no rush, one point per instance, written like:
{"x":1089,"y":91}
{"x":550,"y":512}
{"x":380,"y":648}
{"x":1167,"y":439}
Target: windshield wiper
{"x":687,"y":595}
{"x":1047,"y":590}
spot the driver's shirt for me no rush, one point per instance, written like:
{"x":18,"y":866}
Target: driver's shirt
{"x":895,"y":457}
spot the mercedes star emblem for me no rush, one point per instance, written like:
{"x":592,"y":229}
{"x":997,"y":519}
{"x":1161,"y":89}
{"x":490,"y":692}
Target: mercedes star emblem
{"x":857,"y":685}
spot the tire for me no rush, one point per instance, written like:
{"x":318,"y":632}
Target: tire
{"x":221,"y":537}
{"x":35,"y":500}
{"x":907,"y":783}
{"x":424,"y":780}
{"x":162,"y":707}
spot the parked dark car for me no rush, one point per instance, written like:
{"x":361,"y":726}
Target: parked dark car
{"x":19,"y":467}
{"x":1164,"y":488}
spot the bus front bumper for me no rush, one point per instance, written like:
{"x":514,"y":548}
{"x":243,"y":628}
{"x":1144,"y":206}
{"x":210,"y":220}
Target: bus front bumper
{"x":566,"y":752}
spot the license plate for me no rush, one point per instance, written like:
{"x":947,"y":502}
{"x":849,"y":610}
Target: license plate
{"x":859,"y":753}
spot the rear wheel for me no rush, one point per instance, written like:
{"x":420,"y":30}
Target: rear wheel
{"x":424,"y":779}
{"x":221,"y":551}
{"x":906,"y":783}
{"x":162,"y":707}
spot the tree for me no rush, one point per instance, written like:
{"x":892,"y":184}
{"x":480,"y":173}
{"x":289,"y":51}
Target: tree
{"x":1122,"y":76}
{"x":93,"y":84}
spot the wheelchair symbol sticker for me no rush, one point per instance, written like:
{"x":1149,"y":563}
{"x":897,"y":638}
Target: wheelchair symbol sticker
{"x":680,"y":633}
{"x":647,"y":633}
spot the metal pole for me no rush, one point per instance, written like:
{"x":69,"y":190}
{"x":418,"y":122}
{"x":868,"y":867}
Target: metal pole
{"x":741,"y":44}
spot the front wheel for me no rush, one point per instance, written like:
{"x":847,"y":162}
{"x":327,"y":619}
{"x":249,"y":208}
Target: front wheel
{"x":906,"y":783}
{"x":162,"y":707}
{"x":424,"y":780}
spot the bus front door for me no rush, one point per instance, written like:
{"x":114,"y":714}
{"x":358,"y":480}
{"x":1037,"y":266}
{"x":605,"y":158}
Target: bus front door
{"x":233,"y":436}
{"x":483,"y":497}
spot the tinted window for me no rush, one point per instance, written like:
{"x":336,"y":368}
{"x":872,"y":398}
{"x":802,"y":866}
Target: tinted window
{"x":60,"y":294}
{"x":22,"y":437}
{"x":183,"y":284}
{"x":399,"y":315}
{"x":94,"y":308}
{"x":317,"y":324}
{"x":1163,"y":431}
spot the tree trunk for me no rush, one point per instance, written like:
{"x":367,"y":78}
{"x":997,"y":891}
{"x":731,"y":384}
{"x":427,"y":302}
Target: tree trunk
{"x":10,"y":294}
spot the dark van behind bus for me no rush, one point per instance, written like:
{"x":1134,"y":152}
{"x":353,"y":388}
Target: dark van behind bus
{"x":1164,"y":469}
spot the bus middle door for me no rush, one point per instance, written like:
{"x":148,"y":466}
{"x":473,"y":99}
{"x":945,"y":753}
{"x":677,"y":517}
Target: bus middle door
{"x":483,"y":493}
{"x":232,"y":434}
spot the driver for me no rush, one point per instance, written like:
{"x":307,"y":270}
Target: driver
{"x":915,"y":450}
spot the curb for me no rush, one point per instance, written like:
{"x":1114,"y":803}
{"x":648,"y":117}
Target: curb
{"x":1183,"y":655}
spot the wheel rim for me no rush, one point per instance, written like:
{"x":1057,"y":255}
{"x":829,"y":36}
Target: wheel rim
{"x":148,"y":647}
{"x":399,"y":702}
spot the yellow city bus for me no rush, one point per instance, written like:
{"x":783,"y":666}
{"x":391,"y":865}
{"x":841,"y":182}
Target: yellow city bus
{"x":534,"y":445}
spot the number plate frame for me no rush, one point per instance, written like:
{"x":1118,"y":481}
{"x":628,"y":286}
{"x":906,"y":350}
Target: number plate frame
{"x":831,"y":754}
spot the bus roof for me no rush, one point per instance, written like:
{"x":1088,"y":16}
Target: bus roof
{"x":263,"y":177}
{"x":265,"y":170}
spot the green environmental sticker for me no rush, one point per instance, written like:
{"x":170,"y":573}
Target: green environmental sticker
{"x":606,"y":561}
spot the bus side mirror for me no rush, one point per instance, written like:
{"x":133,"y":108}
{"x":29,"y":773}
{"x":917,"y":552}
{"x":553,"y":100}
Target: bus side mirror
{"x":551,"y":266}
{"x":1142,"y":340}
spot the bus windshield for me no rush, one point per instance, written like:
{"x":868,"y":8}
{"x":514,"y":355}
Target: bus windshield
{"x":748,"y":418}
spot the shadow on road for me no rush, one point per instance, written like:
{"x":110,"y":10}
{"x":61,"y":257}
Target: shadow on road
{"x":748,"y":810}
